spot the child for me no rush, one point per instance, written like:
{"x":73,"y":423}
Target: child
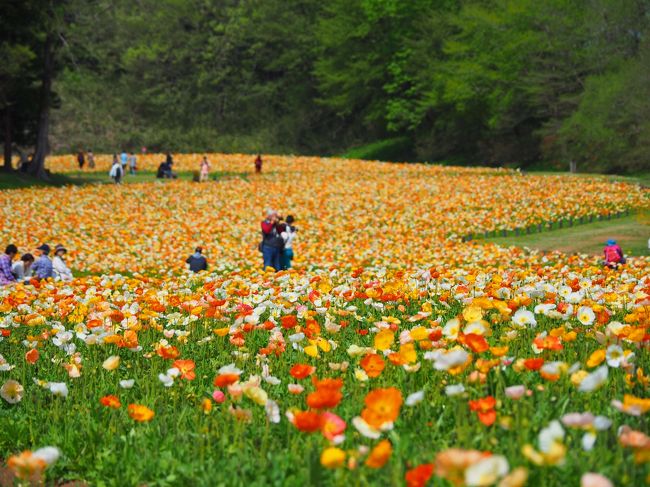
{"x":613,"y":254}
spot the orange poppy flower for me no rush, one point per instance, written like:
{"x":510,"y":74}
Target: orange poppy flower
{"x":382,"y":406}
{"x":110,"y":401}
{"x":477,"y":343}
{"x":327,"y":394}
{"x":170,"y":352}
{"x":312,"y":328}
{"x":32,"y":356}
{"x":186,"y":367}
{"x":140,"y":413}
{"x":380,"y":454}
{"x":484,"y":408}
{"x":224,"y":380}
{"x":548,"y":343}
{"x":307,"y":421}
{"x":301,"y":371}
{"x":117,"y":316}
{"x":324,"y":398}
{"x":329,"y":383}
{"x":129,"y":340}
{"x":373,"y":364}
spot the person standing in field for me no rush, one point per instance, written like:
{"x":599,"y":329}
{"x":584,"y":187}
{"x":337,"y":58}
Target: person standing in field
{"x":272,"y":244}
{"x":61,"y":271}
{"x":116,"y":171}
{"x":132,"y":163}
{"x":6,"y":276}
{"x":258,"y":164}
{"x":81,"y":160}
{"x":42,"y":268}
{"x":22,"y":270}
{"x":91,"y":159}
{"x":124,"y":158}
{"x":197,"y":261}
{"x":288,"y":233}
{"x":205,"y":170}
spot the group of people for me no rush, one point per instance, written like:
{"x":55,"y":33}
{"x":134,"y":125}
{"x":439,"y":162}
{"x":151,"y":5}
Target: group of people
{"x":119,"y":166}
{"x":81,"y":159}
{"x":165,"y":169}
{"x":278,"y":235}
{"x":27,"y":267}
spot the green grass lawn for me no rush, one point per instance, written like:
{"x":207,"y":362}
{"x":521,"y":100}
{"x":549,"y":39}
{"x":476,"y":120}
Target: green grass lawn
{"x":17,"y":180}
{"x":631,"y":232}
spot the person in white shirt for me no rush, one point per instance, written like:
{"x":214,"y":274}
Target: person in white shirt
{"x":288,"y":233}
{"x":22,"y":269}
{"x":61,"y":271}
{"x":116,"y":171}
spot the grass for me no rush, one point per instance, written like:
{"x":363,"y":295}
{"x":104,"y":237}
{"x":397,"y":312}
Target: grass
{"x":17,"y":180}
{"x":640,"y":178}
{"x":631,"y":232}
{"x":395,"y":149}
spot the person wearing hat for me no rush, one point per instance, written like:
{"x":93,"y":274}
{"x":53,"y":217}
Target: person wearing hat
{"x":272,"y":244}
{"x":197,"y":261}
{"x":6,"y":277}
{"x":613,"y":254}
{"x":61,"y":271}
{"x":42,"y":268}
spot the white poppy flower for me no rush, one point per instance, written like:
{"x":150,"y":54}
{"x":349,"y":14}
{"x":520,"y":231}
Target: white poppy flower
{"x":414,"y":398}
{"x":594,"y":380}
{"x":454,"y":389}
{"x":486,"y":472}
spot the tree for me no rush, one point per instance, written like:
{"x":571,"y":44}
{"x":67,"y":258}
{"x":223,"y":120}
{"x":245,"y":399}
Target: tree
{"x":17,"y":68}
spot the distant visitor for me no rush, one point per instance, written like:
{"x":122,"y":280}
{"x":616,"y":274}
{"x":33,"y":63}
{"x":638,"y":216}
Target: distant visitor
{"x":613,"y":254}
{"x":197,"y":261}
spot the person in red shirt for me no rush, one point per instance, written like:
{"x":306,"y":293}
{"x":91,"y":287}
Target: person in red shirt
{"x":272,"y":244}
{"x":258,"y":164}
{"x":613,"y":254}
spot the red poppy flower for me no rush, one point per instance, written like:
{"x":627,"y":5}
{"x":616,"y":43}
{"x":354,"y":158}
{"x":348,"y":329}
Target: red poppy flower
{"x":301,"y":371}
{"x":110,"y":401}
{"x":32,"y":356}
{"x":533,"y":363}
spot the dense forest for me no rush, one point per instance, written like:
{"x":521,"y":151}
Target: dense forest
{"x":524,"y":83}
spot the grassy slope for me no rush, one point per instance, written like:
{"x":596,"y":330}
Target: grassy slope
{"x":631,"y":232}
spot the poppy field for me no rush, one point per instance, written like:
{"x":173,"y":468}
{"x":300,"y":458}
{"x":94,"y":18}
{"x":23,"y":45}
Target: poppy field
{"x":394,"y":353}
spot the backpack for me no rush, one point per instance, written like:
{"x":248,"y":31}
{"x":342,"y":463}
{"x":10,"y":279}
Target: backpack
{"x":611,"y":254}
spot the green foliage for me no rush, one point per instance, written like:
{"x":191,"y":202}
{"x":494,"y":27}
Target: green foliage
{"x":397,"y":149}
{"x":499,"y":82}
{"x":610,"y":130}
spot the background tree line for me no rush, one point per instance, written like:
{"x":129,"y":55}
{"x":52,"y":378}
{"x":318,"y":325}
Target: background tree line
{"x":499,"y":82}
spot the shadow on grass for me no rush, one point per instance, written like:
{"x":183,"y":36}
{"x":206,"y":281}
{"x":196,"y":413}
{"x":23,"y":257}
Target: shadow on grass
{"x":18,"y":180}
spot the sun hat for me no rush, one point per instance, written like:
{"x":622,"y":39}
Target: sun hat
{"x":45,"y":248}
{"x":60,"y":247}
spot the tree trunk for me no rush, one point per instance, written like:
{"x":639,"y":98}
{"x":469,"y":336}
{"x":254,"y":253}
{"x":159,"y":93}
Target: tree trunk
{"x":7,"y":125}
{"x":38,"y":164}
